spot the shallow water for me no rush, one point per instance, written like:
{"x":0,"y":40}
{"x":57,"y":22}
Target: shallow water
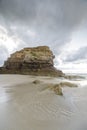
{"x":26,"y":106}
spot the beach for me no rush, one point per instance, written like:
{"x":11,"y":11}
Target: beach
{"x":28,"y":106}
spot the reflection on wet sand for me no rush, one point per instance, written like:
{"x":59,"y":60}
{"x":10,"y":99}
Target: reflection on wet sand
{"x":4,"y":97}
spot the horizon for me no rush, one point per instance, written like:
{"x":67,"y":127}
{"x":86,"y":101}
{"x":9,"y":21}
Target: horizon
{"x":66,"y":69}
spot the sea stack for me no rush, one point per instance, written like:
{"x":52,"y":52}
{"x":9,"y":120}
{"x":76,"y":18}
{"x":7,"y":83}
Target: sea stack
{"x":33,"y":61}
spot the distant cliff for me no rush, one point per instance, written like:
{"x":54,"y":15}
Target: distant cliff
{"x":34,"y":61}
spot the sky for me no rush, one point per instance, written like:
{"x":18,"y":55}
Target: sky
{"x":59,"y":24}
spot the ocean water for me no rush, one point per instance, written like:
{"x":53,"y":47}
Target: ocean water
{"x":26,"y":106}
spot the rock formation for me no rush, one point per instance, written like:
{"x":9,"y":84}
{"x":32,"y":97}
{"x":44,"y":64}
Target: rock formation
{"x":35,"y":61}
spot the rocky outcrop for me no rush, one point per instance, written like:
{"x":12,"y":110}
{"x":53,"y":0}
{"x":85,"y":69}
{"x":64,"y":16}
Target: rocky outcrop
{"x":56,"y":88}
{"x":35,"y":61}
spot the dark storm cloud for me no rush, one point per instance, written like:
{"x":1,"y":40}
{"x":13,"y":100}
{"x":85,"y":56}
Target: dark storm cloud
{"x":3,"y":54}
{"x":19,"y":9}
{"x":52,"y":21}
{"x":77,"y":55}
{"x":48,"y":17}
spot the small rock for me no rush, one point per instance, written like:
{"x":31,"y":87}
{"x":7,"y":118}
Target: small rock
{"x":56,"y":88}
{"x":68,"y":84}
{"x":36,"y":81}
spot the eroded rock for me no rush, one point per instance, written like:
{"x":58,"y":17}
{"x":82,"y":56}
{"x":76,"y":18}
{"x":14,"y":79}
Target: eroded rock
{"x":68,"y":84}
{"x":36,"y":82}
{"x":34,"y":61}
{"x":56,"y":88}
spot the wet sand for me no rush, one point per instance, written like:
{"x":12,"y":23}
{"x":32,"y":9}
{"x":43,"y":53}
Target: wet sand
{"x":28,"y":106}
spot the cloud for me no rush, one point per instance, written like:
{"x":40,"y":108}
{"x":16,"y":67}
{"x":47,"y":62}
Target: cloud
{"x":53,"y":21}
{"x":3,"y":54}
{"x":80,"y":54}
{"x":43,"y":22}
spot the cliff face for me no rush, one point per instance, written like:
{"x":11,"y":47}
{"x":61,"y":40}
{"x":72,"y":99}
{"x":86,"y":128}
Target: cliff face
{"x":37,"y":61}
{"x":30,"y":58}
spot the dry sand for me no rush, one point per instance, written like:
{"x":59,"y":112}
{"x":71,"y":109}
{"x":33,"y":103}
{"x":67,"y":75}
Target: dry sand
{"x":28,"y":106}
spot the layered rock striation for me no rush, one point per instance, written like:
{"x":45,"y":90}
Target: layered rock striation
{"x":35,"y":61}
